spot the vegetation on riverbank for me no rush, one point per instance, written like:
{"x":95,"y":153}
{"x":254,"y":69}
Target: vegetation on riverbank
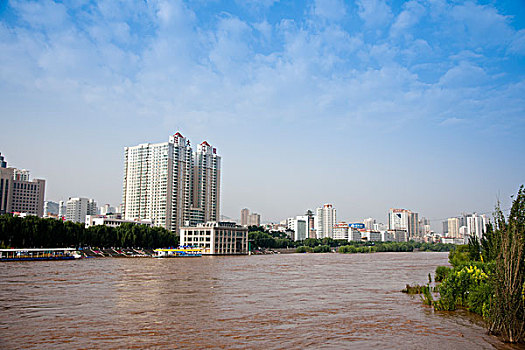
{"x":488,"y":277}
{"x":34,"y":232}
{"x":261,"y":239}
{"x":345,"y":247}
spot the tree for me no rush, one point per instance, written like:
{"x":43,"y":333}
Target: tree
{"x":507,"y":315}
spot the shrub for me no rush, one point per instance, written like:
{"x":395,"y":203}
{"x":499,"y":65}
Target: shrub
{"x":441,"y":273}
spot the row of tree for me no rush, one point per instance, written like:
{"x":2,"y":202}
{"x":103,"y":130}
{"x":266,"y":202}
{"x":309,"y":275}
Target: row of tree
{"x":35,"y":232}
{"x":488,"y":276}
{"x":265,"y":239}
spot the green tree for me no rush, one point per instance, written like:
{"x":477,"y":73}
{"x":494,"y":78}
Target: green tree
{"x":507,"y":309}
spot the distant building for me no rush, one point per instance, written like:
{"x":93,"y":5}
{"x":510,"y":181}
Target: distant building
{"x":453,"y":227}
{"x":325,"y":219}
{"x":371,"y":236}
{"x":244,"y":216}
{"x":216,"y":238}
{"x":341,"y":231}
{"x":93,"y":220}
{"x":250,"y":219}
{"x":369,"y":224}
{"x":403,"y":219}
{"x":50,"y":209}
{"x":78,"y":208}
{"x":62,"y":209}
{"x":19,"y":194}
{"x":387,"y":236}
{"x":3,"y":163}
{"x":398,"y":235}
{"x":299,"y":226}
{"x":477,"y":225}
{"x":107,"y":209}
{"x":254,"y":219}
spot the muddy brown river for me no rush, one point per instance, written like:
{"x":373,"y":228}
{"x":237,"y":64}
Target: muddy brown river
{"x":287,"y":301}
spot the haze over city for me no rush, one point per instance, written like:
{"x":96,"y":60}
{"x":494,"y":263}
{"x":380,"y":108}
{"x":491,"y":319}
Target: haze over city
{"x":367,"y":105}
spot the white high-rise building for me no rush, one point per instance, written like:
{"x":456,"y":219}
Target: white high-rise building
{"x":78,"y":208}
{"x":369,"y":224}
{"x":205,"y":184}
{"x":403,"y":219}
{"x":476,"y":225}
{"x":299,"y":225}
{"x":453,"y":227}
{"x":170,"y":184}
{"x":106,"y":209}
{"x":325,"y":220}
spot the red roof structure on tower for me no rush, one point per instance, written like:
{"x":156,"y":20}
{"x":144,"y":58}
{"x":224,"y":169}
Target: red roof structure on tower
{"x":178,"y":134}
{"x":205,"y":143}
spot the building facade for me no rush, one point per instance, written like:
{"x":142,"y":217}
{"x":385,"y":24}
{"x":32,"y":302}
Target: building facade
{"x":78,"y":208}
{"x":50,"y":209}
{"x":299,"y":225}
{"x":170,"y":184}
{"x":453,"y":227}
{"x":20,"y":194}
{"x":476,"y":225}
{"x":216,"y":238}
{"x":93,"y":220}
{"x":325,"y":219}
{"x":244,"y":216}
{"x":403,"y":219}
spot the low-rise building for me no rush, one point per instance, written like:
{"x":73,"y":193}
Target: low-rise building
{"x":216,"y":238}
{"x":387,"y":236}
{"x":112,"y":221}
{"x":371,"y":236}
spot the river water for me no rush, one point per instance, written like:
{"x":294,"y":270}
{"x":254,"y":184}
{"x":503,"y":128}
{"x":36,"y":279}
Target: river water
{"x":318,"y":301}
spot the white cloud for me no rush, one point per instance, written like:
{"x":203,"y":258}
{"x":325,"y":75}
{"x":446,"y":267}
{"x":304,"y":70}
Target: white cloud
{"x":517,"y":46}
{"x":479,"y":25}
{"x":375,"y":13}
{"x":332,"y":10}
{"x":410,"y":16}
{"x":45,"y":14}
{"x":452,"y":121}
{"x":464,"y":75}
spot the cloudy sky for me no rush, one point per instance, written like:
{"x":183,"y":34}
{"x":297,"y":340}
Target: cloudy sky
{"x":366,"y":104}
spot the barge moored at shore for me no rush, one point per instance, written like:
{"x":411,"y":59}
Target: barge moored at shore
{"x":181,"y":252}
{"x":33,"y":254}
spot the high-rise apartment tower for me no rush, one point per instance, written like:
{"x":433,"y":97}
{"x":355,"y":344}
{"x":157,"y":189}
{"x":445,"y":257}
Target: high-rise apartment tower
{"x":171,"y":184}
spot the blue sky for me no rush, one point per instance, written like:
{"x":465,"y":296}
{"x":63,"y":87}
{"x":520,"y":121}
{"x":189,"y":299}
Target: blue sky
{"x":364,"y":104}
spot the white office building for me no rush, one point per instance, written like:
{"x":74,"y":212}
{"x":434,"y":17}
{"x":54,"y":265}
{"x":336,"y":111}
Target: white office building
{"x":324,"y":221}
{"x":170,"y":184}
{"x":476,"y":225}
{"x":216,"y":238}
{"x":403,"y":219}
{"x":341,"y":231}
{"x":299,"y":225}
{"x":77,"y":209}
{"x":93,"y":220}
{"x":369,"y":224}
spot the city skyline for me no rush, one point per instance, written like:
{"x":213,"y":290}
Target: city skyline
{"x":368,"y":105}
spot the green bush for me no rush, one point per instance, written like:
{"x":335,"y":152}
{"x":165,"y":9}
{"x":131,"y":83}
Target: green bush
{"x":456,"y":289}
{"x":441,"y":273}
{"x":303,"y":249}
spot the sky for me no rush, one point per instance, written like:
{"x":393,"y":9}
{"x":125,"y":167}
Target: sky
{"x":366,"y":104}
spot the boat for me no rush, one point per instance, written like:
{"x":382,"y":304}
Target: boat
{"x":32,"y":254}
{"x":180,"y":252}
